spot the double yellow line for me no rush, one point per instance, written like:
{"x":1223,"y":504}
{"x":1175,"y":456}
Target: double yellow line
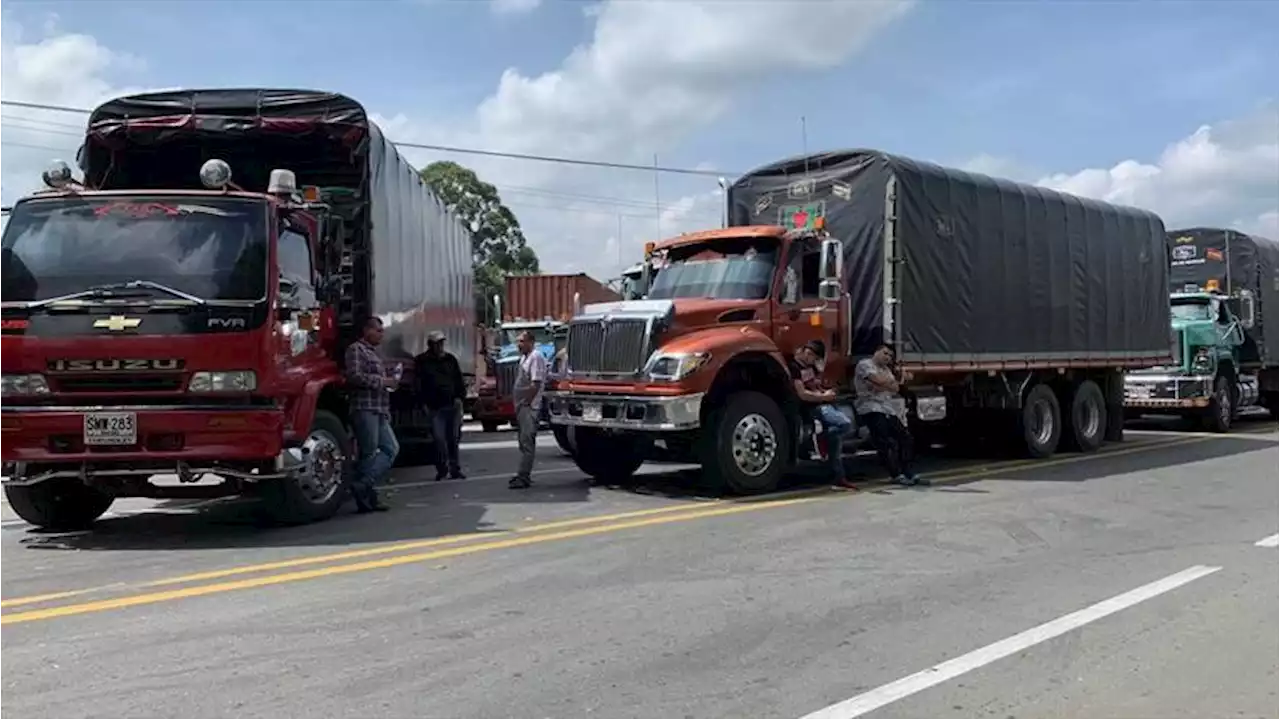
{"x":464,"y":544}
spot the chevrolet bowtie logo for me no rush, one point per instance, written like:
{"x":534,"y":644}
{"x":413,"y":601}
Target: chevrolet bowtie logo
{"x":117,"y":323}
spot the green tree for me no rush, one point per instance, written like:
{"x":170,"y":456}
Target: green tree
{"x":498,"y":247}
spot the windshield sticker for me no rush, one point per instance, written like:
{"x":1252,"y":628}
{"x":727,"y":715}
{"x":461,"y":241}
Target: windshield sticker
{"x":1213,"y":254}
{"x":141,"y":210}
{"x":800,"y":188}
{"x":1183,"y":252}
{"x":842,"y":190}
{"x":801,"y":217}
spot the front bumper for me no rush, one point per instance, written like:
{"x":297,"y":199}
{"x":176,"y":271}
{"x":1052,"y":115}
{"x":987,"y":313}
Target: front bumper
{"x":1167,"y":392}
{"x":490,"y":407}
{"x":46,"y":442}
{"x":631,"y":412}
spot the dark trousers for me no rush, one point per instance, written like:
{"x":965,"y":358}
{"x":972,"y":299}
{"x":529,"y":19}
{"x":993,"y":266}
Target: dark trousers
{"x":891,"y":440}
{"x":444,"y":429}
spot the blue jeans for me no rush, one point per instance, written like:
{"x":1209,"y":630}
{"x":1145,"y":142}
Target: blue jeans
{"x":444,"y":430}
{"x":377,"y":447}
{"x":834,"y":425}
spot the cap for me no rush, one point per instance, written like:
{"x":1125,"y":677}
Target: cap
{"x":435,"y":336}
{"x":814,"y":346}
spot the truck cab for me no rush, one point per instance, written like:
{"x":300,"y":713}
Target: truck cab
{"x":700,"y":364}
{"x":1208,"y":380}
{"x":494,"y":406}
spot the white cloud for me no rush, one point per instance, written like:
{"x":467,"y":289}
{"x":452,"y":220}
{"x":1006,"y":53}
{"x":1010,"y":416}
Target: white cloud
{"x":651,"y":75}
{"x":1220,"y":175}
{"x":513,"y":7}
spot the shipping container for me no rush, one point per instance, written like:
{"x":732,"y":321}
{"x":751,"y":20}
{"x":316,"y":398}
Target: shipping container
{"x":535,"y":297}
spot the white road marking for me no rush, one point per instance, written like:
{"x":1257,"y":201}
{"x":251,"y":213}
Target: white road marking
{"x":1244,"y":432}
{"x":1272,"y":541}
{"x":937,"y":674}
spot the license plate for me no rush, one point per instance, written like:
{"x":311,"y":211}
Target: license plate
{"x":1140,"y":392}
{"x":111,"y":428}
{"x":591,"y":412}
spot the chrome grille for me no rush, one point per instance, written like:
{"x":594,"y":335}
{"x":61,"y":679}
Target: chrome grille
{"x":505,"y":376}
{"x":619,"y":346}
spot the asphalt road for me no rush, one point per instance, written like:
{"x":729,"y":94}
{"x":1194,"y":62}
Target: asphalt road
{"x":1137,"y":582}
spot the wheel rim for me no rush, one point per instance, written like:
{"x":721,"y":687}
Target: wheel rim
{"x":1041,"y":422}
{"x":754,"y":445}
{"x":321,"y":477}
{"x":1090,"y":420}
{"x":1224,"y":404}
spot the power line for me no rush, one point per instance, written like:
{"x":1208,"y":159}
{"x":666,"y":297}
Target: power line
{"x":461,"y":150}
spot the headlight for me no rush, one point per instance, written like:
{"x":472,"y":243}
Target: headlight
{"x":1203,"y":362}
{"x":675,"y":366}
{"x":232,"y":381}
{"x":23,"y":385}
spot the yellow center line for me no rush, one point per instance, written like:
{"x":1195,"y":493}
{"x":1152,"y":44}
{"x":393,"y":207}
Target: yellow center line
{"x":341,"y":569}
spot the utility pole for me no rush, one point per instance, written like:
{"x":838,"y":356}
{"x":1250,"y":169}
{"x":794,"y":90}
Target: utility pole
{"x":657,"y":199}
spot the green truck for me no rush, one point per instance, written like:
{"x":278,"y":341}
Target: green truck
{"x":1224,"y":322}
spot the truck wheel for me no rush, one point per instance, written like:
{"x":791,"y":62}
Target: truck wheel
{"x":747,"y":445}
{"x":564,"y":435}
{"x":1217,"y":416}
{"x":1270,"y":402}
{"x":317,"y":491}
{"x":1086,"y":423}
{"x":488,"y":426}
{"x":1040,"y":422}
{"x":607,"y":457}
{"x":62,"y":505}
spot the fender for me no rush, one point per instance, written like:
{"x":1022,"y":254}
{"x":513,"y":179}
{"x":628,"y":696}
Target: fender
{"x":301,"y":410}
{"x":725,"y":343}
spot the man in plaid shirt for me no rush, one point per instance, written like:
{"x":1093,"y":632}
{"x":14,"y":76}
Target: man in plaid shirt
{"x":369,"y":388}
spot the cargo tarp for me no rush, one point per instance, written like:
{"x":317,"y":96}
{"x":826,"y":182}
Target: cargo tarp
{"x":1236,"y":261}
{"x":980,"y":270}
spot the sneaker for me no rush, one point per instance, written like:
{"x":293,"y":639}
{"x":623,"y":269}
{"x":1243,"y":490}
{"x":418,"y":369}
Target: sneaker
{"x":904,"y":480}
{"x":846,"y":484}
{"x":520,"y":483}
{"x":917,"y":480}
{"x":457,"y":474}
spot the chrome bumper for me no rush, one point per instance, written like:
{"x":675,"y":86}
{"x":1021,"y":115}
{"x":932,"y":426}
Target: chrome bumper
{"x":1160,"y":391}
{"x":633,"y":412}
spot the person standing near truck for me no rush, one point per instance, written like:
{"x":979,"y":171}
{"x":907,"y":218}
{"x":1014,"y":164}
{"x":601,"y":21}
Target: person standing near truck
{"x":441,"y":391}
{"x":883,"y":411}
{"x":370,"y":393}
{"x":530,"y":378}
{"x":808,"y":386}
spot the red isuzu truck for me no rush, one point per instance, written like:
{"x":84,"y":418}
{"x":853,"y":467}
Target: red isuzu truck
{"x":184,"y":309}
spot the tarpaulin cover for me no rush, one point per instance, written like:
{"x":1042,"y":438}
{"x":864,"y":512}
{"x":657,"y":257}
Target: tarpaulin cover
{"x":416,"y":253}
{"x":1237,"y":262}
{"x":977,"y":269}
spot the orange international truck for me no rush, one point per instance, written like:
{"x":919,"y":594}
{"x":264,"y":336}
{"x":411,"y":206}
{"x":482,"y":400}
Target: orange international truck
{"x":1012,"y":309}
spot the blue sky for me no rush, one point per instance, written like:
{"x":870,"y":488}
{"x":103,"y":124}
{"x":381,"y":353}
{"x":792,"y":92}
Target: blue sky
{"x":1034,"y":90}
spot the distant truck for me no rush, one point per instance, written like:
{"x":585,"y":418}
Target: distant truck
{"x":494,"y":406}
{"x":549,"y":297}
{"x":184,"y":311}
{"x":1011,"y":308}
{"x":1225,"y":322}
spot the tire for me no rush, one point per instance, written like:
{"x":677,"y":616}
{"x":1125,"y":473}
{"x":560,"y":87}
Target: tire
{"x":1217,"y":416}
{"x":1270,"y":402}
{"x":747,"y":445}
{"x":565,"y":436}
{"x":1086,"y":422}
{"x":319,"y":491}
{"x":607,"y":457}
{"x":1040,"y":423}
{"x":61,"y":505}
{"x":489,"y":426}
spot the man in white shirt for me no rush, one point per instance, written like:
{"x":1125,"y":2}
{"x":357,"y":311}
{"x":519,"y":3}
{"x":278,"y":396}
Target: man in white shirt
{"x":530,"y":378}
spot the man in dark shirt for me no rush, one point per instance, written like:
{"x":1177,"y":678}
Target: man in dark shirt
{"x":808,"y":385}
{"x":441,"y":391}
{"x":370,"y":388}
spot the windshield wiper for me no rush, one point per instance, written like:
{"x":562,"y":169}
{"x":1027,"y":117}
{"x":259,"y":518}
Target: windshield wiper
{"x":119,"y":290}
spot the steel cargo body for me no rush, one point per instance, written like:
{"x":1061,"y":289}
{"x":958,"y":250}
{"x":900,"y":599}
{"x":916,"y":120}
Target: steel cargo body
{"x":956,"y":269}
{"x":1234,"y":261}
{"x":535,"y":297}
{"x":407,"y":257}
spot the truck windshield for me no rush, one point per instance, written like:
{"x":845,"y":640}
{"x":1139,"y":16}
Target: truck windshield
{"x":1191,"y":311}
{"x":733,"y":269}
{"x":541,"y":335}
{"x":212,"y":247}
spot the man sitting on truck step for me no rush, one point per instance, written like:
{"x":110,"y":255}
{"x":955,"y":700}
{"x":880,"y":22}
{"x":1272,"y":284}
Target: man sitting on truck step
{"x":882,"y":410}
{"x":370,"y":388}
{"x":808,"y":385}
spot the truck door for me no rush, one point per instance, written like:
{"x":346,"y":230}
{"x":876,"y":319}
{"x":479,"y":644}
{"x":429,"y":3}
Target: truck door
{"x":297,"y":310}
{"x":803,"y":316}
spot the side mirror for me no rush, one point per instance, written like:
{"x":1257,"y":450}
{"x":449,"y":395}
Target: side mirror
{"x":1248,"y":309}
{"x":829,"y":290}
{"x":831,"y":261}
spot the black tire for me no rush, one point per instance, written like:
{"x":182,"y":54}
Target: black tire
{"x":609,"y":458}
{"x":1040,"y":423}
{"x":1086,"y":422}
{"x":1270,"y":401}
{"x":489,"y":426}
{"x":720,"y":456}
{"x":61,"y":505}
{"x":565,"y":436}
{"x":1218,"y":415}
{"x":298,"y":500}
